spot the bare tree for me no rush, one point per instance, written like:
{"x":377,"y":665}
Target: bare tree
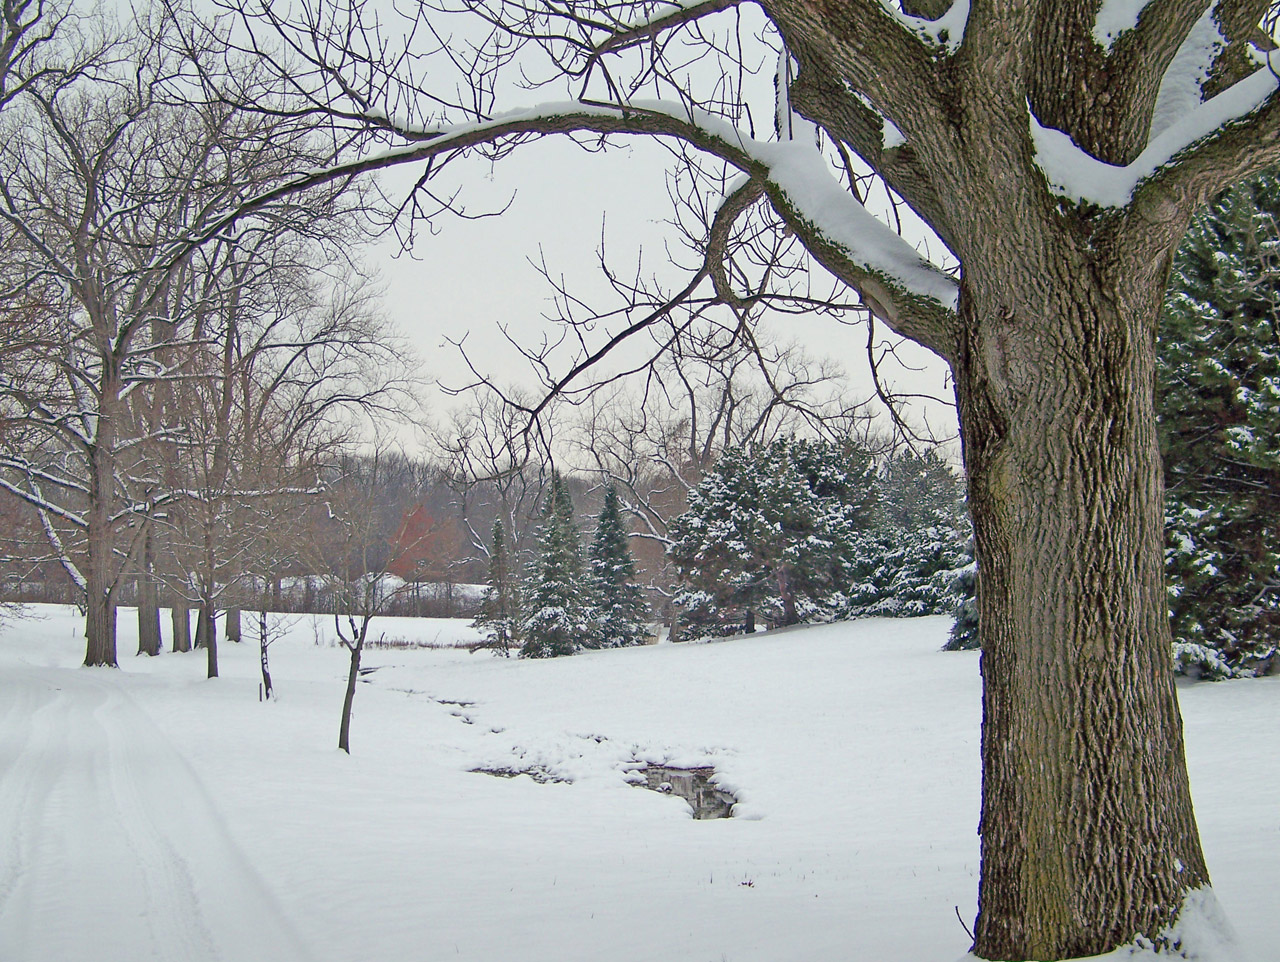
{"x":497,"y":468}
{"x":163,"y":327}
{"x":275,"y":365}
{"x":101,"y":179}
{"x":349,"y":548}
{"x":1057,"y":157}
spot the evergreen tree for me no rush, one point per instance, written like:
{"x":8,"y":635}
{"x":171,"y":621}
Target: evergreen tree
{"x":964,"y":630}
{"x":770,"y":530}
{"x":621,"y":611}
{"x":908,"y":564}
{"x":1219,"y":404}
{"x":560,"y":617}
{"x":499,"y":617}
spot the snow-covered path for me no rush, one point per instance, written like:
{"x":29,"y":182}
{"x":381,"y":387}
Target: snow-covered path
{"x":98,"y":802}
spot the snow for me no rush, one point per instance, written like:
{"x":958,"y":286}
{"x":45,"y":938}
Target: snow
{"x":805,"y":178}
{"x":1180,"y":88}
{"x":890,"y":134}
{"x":1115,"y":17}
{"x":947,"y":32}
{"x":1078,"y":176}
{"x":153,"y":814}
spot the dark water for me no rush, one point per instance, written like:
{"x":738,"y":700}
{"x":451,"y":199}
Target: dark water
{"x":693,"y":785}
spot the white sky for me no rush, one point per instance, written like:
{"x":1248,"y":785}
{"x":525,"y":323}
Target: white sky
{"x":473,"y":275}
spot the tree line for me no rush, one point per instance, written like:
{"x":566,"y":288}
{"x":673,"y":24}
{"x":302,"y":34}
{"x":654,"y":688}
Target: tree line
{"x":171,"y":386}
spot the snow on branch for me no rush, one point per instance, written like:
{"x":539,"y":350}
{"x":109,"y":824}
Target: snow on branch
{"x":795,"y":174}
{"x":36,"y":499}
{"x":946,"y":33}
{"x":805,"y":180}
{"x":1180,"y":89}
{"x":1116,"y":17}
{"x":1078,"y":176}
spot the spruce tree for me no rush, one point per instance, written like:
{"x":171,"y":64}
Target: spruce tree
{"x":499,"y":617}
{"x":770,"y":530}
{"x":964,"y":630}
{"x":560,"y":618}
{"x":908,"y":564}
{"x":1219,"y":403}
{"x":621,"y":612}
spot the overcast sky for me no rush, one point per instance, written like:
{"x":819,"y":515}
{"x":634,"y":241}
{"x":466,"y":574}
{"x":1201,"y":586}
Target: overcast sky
{"x":473,"y":275}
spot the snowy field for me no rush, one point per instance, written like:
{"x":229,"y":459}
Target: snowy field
{"x":151,"y":814}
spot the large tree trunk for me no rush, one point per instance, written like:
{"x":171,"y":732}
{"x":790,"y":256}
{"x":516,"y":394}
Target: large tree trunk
{"x":148,"y":602}
{"x":207,"y":636}
{"x":180,"y":615}
{"x":232,"y":630}
{"x":1088,"y":835}
{"x":100,"y":625}
{"x":100,"y":613}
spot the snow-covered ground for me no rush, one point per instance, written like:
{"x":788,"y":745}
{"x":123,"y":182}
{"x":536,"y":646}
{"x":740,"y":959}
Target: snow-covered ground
{"x":151,"y":814}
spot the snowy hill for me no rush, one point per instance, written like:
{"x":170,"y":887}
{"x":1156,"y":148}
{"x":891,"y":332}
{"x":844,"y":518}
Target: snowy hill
{"x":152,"y":814}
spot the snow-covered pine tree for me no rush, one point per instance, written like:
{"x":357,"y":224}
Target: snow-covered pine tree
{"x":1219,"y":403}
{"x":499,"y":616}
{"x":560,"y":616}
{"x":908,"y":565}
{"x":964,"y":630}
{"x":621,"y":611}
{"x":770,"y":530}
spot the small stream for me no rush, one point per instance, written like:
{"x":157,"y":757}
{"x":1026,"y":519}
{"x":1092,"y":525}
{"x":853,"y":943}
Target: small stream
{"x":693,"y":785}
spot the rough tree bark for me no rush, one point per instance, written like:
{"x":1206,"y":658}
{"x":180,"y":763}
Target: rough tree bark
{"x":180,"y":615}
{"x":1088,"y":834}
{"x":207,"y":637}
{"x":148,"y":601}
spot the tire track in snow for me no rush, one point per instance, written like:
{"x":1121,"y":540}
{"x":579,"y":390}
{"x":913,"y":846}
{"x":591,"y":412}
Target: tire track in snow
{"x":112,"y":848}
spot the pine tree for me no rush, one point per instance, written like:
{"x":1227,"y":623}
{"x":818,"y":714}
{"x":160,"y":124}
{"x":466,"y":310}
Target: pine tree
{"x":908,"y":565}
{"x":770,"y":530}
{"x":1219,"y":403}
{"x":964,"y":630}
{"x":560,"y":617}
{"x":499,"y":617}
{"x":621,"y":611}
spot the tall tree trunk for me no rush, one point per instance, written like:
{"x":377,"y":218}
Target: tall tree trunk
{"x":207,"y":634}
{"x":180,"y":615}
{"x":1088,"y":835}
{"x":100,"y":611}
{"x":232,"y":629}
{"x":148,"y":602}
{"x":100,"y":625}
